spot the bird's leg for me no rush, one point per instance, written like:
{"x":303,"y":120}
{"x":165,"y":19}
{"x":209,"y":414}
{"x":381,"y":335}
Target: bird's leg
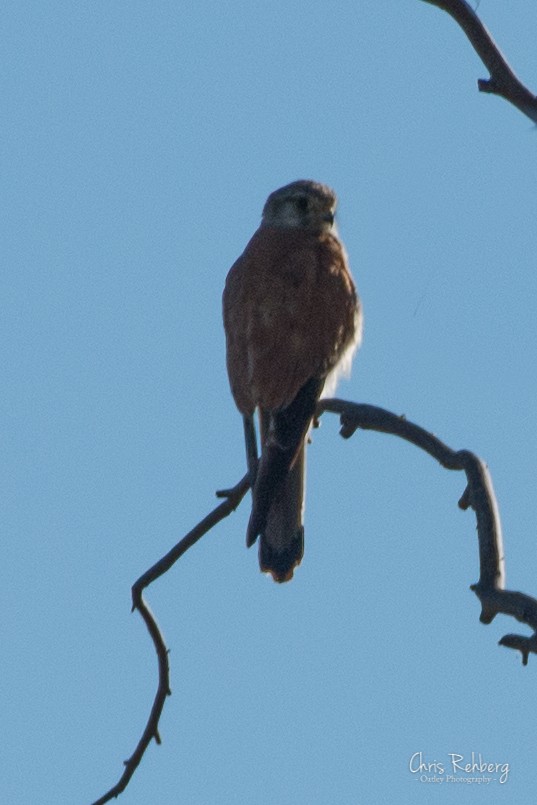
{"x":250,"y":442}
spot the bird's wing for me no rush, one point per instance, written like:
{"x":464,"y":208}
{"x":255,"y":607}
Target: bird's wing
{"x":289,"y":314}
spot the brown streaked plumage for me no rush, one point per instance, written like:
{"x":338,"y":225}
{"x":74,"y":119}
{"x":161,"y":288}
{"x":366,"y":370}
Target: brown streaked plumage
{"x":292,"y":318}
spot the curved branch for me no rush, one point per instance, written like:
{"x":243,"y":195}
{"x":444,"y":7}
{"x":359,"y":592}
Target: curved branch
{"x":232,"y":499}
{"x":479,"y":495}
{"x":502,"y":79}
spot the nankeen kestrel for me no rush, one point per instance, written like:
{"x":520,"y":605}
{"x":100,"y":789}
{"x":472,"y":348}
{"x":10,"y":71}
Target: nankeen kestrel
{"x":293,"y":321}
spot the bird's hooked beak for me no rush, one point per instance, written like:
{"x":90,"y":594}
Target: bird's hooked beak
{"x":329,"y":218}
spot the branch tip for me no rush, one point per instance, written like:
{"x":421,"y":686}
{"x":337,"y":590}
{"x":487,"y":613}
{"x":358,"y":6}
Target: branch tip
{"x":526,"y":645}
{"x":486,"y":85}
{"x":346,"y":431}
{"x":464,"y":501}
{"x":487,"y":616}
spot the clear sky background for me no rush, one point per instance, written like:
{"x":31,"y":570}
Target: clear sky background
{"x":139,"y":142}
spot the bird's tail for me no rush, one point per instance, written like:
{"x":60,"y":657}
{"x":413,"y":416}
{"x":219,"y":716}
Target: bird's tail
{"x":278,"y":493}
{"x":281,"y":544}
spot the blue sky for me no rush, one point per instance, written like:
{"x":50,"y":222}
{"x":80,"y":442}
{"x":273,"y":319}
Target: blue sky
{"x":139,"y":143}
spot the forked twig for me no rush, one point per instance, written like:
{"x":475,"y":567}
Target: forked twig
{"x":478,"y":495}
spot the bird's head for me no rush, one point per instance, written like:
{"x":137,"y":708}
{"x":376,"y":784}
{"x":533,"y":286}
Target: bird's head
{"x":302,"y":205}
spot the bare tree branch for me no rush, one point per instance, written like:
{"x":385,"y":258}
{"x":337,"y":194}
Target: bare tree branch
{"x":502,"y":79}
{"x":478,"y":495}
{"x":232,"y":499}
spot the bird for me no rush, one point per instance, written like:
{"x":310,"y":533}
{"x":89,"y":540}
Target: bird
{"x":292,"y":321}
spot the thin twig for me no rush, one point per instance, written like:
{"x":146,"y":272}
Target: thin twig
{"x":232,"y":499}
{"x":502,"y":79}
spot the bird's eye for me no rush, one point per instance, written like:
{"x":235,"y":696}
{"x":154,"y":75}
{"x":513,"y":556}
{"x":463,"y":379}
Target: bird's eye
{"x":302,"y":203}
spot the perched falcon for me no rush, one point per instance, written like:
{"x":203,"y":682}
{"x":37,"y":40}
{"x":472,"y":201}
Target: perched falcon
{"x":292,"y":319}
